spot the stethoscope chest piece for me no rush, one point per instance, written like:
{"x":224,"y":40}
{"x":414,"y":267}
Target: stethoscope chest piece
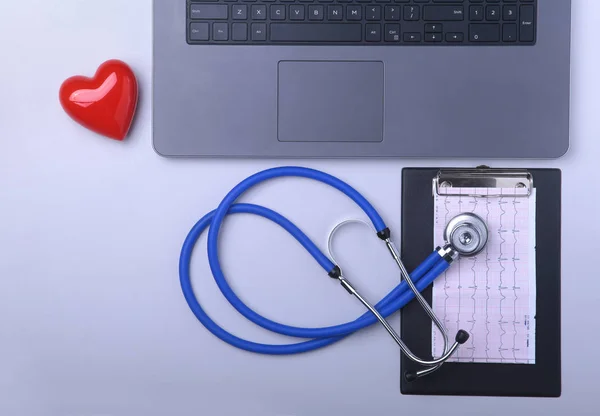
{"x":467,"y":233}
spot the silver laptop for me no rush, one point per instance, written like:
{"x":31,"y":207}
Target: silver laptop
{"x":361,"y":78}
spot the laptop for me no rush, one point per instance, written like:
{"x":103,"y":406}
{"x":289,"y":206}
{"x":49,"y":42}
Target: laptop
{"x":361,"y":78}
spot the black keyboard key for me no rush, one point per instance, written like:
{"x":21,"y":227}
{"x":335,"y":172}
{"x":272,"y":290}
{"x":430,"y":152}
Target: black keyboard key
{"x":443,"y":13}
{"x":373,"y":12}
{"x":433,"y":37}
{"x":411,"y":12}
{"x":209,"y":11}
{"x":492,"y":13}
{"x":316,"y":32}
{"x":220,"y":31}
{"x":259,"y":12}
{"x":199,"y":31}
{"x":316,"y":12}
{"x":412,"y":37}
{"x":526,"y":25}
{"x":509,"y":32}
{"x":509,"y":12}
{"x":433,"y":28}
{"x":335,"y":12}
{"x":392,"y":32}
{"x":484,"y":32}
{"x":392,"y":13}
{"x":296,"y":12}
{"x":353,"y":12}
{"x":239,"y":12}
{"x":373,"y":32}
{"x":259,"y":31}
{"x":277,"y":12}
{"x":239,"y":31}
{"x":476,"y":13}
{"x":454,"y":37}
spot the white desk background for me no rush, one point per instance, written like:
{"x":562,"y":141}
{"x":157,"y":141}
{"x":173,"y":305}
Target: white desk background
{"x":92,"y":319}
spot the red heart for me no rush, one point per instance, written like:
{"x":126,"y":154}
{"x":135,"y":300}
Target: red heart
{"x":105,"y":103}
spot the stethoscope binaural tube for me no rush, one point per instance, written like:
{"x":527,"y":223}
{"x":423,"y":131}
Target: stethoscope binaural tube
{"x":319,"y":337}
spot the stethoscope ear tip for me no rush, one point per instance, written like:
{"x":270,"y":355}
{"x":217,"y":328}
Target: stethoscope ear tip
{"x":462,"y":336}
{"x":410,"y":376}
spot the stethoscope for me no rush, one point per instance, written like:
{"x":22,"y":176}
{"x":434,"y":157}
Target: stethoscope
{"x":465,"y":235}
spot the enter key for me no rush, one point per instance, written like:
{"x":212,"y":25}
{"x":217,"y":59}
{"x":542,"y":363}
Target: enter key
{"x":526,"y":23}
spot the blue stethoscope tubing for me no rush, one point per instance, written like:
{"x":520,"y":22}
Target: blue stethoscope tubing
{"x":422,"y":276}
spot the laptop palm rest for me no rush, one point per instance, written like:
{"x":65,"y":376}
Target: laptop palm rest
{"x":329,"y":101}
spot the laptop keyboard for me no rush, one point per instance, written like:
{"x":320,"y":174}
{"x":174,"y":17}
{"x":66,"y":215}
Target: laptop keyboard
{"x":364,"y":22}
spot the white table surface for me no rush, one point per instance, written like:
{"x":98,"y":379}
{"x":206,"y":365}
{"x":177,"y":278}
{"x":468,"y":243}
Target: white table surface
{"x":92,"y":319}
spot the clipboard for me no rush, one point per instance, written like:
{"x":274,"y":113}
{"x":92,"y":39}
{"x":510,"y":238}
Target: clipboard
{"x":542,"y":379}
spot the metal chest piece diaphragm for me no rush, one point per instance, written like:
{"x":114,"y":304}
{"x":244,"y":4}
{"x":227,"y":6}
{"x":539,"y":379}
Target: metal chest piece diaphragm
{"x":467,"y":233}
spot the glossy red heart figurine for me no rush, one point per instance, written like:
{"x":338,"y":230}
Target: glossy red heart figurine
{"x":105,"y":103}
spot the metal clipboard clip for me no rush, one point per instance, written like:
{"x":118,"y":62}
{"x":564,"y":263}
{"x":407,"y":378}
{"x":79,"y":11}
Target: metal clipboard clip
{"x":482,"y":177}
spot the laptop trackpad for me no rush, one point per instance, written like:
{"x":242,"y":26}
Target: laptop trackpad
{"x":330,"y":101}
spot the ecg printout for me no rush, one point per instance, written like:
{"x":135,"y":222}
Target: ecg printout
{"x":492,"y":295}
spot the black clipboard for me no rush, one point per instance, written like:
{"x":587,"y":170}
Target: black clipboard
{"x":542,"y":379}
